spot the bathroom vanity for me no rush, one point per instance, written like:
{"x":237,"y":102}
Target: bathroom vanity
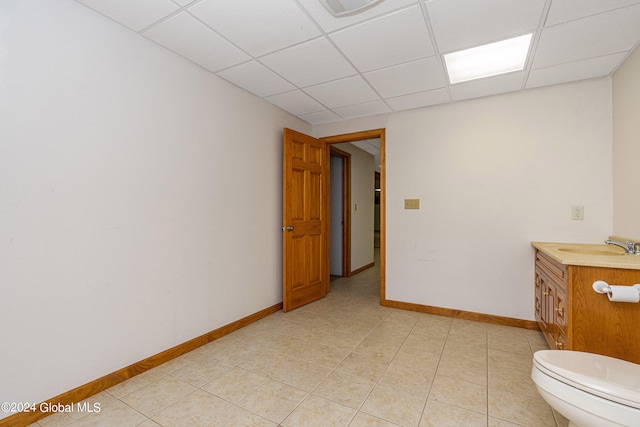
{"x":571,"y":315}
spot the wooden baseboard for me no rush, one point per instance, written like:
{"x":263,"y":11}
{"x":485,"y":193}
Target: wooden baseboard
{"x":109,"y":380}
{"x":460,"y":314}
{"x":361,"y":269}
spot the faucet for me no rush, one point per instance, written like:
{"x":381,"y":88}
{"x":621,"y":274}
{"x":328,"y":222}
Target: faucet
{"x":629,"y":246}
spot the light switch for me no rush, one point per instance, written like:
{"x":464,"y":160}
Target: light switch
{"x":577,"y":213}
{"x":412,"y":203}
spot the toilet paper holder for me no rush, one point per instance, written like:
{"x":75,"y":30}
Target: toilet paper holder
{"x":602,"y":287}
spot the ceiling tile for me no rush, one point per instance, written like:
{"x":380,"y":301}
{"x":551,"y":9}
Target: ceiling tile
{"x":490,"y":86}
{"x":296,"y":102}
{"x":313,"y":62}
{"x":274,"y":24}
{"x":568,"y":10}
{"x":420,"y":99}
{"x":589,"y":37}
{"x":190,"y":38}
{"x":290,"y":51}
{"x":468,"y":23}
{"x":361,"y":110}
{"x":577,"y":70}
{"x":256,"y":78}
{"x":416,"y":76}
{"x":329,"y":23}
{"x":339,"y":93}
{"x":135,"y":14}
{"x":321,"y":117}
{"x":389,"y":40}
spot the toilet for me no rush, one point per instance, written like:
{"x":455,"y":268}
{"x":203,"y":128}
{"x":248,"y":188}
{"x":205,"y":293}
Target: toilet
{"x":590,"y":390}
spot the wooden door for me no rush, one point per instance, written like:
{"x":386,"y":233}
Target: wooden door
{"x":305,"y":220}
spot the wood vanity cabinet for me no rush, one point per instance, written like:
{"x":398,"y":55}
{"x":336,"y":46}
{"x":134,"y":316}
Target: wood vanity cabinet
{"x":572,"y":316}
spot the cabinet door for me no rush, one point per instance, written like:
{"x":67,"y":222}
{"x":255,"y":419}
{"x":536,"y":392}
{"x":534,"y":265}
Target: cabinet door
{"x":549,"y":296}
{"x":560,"y":310}
{"x":546,"y":317}
{"x":551,"y":301}
{"x":538,"y":297}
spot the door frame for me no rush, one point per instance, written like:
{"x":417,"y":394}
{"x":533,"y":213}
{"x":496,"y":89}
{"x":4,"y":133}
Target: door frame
{"x":346,"y":211}
{"x":359,"y":136}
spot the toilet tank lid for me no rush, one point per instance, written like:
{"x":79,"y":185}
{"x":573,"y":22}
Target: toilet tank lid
{"x":612,"y":379}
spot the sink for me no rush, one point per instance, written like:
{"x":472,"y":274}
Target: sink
{"x":585,"y":251}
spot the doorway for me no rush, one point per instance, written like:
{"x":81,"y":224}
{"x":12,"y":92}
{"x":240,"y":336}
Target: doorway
{"x":361,"y":136}
{"x":340,"y":213}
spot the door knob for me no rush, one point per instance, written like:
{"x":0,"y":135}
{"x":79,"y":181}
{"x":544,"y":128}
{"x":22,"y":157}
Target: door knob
{"x":290,"y":228}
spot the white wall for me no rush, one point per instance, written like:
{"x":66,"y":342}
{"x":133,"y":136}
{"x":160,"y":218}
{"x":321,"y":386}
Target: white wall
{"x":492,"y":174}
{"x":139,"y":199}
{"x":626,"y":148}
{"x":362,"y":205}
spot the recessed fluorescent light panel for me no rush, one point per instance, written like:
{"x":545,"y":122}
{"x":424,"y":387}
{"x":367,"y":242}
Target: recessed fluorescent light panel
{"x":347,"y":7}
{"x":488,"y":60}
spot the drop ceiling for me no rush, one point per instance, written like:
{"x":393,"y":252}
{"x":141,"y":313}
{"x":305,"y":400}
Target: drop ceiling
{"x":296,"y":55}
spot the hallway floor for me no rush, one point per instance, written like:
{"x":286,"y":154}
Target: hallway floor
{"x":341,"y":361}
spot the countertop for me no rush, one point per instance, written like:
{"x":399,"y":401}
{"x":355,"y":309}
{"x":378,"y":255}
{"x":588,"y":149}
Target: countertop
{"x":590,"y":255}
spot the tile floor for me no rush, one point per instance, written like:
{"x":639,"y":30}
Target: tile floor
{"x":341,"y":361}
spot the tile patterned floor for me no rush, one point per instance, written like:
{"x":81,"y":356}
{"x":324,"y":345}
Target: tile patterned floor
{"x":340,"y":361}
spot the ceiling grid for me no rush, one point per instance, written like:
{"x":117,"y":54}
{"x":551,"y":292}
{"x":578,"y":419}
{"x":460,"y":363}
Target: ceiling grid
{"x":389,"y":57}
